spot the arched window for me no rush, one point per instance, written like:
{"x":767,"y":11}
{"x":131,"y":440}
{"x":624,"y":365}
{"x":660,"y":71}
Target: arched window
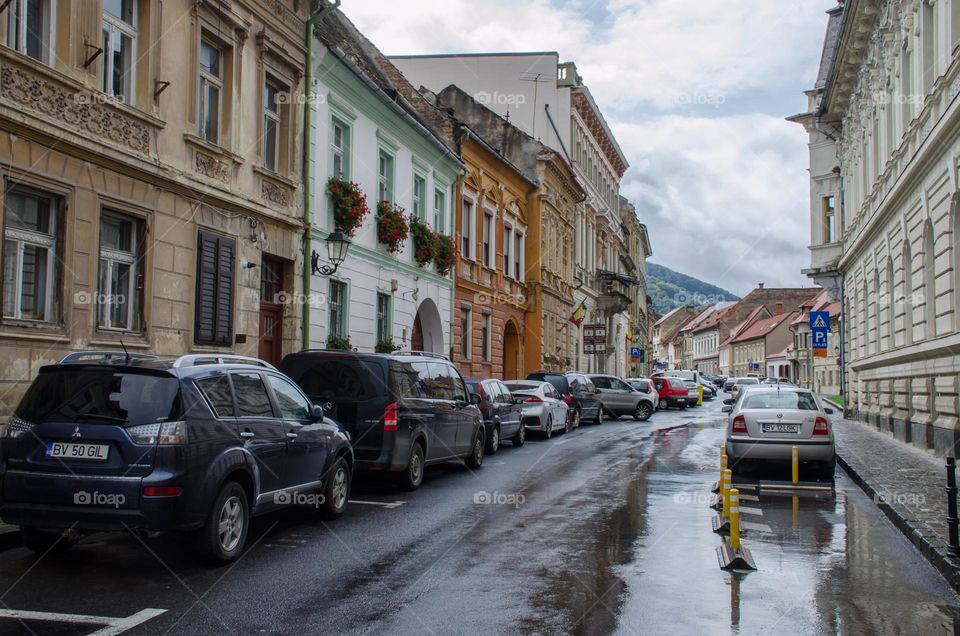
{"x":875,"y":314}
{"x":929,"y":282}
{"x":889,"y":305}
{"x":906,"y":298}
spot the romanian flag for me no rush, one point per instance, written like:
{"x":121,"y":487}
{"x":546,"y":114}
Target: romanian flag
{"x":579,"y":314}
{"x":629,"y":336}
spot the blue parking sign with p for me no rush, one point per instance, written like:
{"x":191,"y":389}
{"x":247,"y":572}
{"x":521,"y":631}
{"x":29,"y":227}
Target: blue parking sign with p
{"x":819,"y":328}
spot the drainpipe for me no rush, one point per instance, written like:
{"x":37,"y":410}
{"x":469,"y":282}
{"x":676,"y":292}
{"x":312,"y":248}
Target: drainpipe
{"x":325,"y":8}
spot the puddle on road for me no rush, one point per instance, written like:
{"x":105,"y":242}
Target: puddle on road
{"x":826,"y":566}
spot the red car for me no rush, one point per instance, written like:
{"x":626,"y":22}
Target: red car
{"x":672,"y":392}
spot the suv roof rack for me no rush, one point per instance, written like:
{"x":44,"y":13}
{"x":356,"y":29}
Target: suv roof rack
{"x":92,"y":356}
{"x":425,"y":354}
{"x":196,"y":359}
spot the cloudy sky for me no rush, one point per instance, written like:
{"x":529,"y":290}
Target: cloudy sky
{"x":695,"y":91}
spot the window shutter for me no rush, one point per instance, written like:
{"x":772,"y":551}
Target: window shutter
{"x":215,"y":275}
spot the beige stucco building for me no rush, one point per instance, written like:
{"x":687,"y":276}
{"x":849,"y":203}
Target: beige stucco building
{"x":151,"y":192}
{"x":884,"y":126}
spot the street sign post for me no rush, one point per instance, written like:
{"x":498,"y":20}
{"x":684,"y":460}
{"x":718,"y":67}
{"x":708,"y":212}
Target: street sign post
{"x":595,"y":338}
{"x":819,"y":332}
{"x":635,"y":354}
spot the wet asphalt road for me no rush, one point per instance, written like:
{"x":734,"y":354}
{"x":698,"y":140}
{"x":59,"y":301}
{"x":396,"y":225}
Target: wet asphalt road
{"x":602,"y":530}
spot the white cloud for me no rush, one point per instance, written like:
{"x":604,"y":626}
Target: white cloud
{"x":696,"y":92}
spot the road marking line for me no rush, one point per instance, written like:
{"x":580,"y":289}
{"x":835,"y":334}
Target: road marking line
{"x":759,"y":527}
{"x":749,"y":498}
{"x":112,"y":625}
{"x":751,"y":511}
{"x":386,"y":504}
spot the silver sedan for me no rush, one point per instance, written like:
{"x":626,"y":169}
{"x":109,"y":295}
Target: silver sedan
{"x":543,"y":407}
{"x":766,"y":422}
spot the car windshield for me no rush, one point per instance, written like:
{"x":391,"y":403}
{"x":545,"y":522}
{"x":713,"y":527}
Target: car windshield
{"x":748,"y":381}
{"x":783,"y":401}
{"x":100,"y":395}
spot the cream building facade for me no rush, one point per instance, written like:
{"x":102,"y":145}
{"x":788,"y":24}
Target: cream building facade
{"x":884,"y":125}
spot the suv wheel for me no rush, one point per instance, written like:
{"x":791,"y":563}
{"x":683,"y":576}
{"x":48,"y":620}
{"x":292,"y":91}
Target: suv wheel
{"x":225,"y":532}
{"x":412,"y":477}
{"x":548,"y":433}
{"x":494,"y":444}
{"x":643,"y":412}
{"x":475,"y":460}
{"x":521,"y":435}
{"x":46,"y":541}
{"x":337,"y":492}
{"x":576,"y":417}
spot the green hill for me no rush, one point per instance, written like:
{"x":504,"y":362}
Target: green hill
{"x":669,"y":289}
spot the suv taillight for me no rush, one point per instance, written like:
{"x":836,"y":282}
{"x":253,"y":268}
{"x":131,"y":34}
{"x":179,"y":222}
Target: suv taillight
{"x":568,"y":398}
{"x":740,"y":425}
{"x":390,"y":417}
{"x":163,"y":433}
{"x":534,"y":399}
{"x":17,"y":427}
{"x":821,"y":426}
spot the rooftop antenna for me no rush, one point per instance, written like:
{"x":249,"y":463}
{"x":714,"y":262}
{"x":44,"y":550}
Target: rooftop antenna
{"x":536,"y":78}
{"x":125,"y":352}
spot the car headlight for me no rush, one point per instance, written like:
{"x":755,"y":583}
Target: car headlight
{"x":17,"y":427}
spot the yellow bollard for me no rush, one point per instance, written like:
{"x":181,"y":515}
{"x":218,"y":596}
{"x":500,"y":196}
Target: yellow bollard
{"x":796,"y":464}
{"x":725,"y":491}
{"x":735,"y":519}
{"x":723,"y":466}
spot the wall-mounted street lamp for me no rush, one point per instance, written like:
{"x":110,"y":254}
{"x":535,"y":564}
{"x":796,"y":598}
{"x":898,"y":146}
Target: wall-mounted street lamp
{"x":338,"y":244}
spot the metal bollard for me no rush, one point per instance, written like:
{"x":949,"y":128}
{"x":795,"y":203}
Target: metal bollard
{"x":952,"y":520}
{"x":725,"y":491}
{"x":735,"y":518}
{"x":795,"y":456}
{"x":723,"y":466}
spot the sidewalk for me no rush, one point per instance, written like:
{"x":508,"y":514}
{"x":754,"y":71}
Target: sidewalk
{"x":906,"y":483}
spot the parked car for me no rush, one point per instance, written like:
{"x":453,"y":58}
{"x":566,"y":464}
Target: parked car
{"x":404,"y":411}
{"x":200,"y":444}
{"x":767,"y":422}
{"x":618,"y":398}
{"x":645,"y":385}
{"x":673,"y":392}
{"x":728,"y":383}
{"x":742,"y":382}
{"x":709,"y":390}
{"x":578,"y":392}
{"x":501,"y":413}
{"x":544,"y":409}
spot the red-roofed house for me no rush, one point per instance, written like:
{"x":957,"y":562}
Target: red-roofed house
{"x":750,"y":348}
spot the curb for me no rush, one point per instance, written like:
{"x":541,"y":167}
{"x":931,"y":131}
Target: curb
{"x":930,"y":545}
{"x":9,"y":538}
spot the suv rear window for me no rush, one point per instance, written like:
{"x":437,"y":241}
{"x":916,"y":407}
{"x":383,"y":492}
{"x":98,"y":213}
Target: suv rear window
{"x":558,"y":381}
{"x":336,"y":378}
{"x":68,"y":393}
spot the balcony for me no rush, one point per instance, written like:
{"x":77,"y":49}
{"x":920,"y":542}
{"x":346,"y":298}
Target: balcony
{"x":614,"y":291}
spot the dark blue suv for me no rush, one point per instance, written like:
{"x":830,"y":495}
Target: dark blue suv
{"x":200,"y":443}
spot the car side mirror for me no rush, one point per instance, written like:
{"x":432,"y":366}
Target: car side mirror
{"x":317,"y":412}
{"x":828,"y":410}
{"x":475,"y":399}
{"x":728,"y":401}
{"x":727,"y":409}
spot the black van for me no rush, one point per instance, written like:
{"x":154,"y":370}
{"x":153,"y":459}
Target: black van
{"x":403,"y":411}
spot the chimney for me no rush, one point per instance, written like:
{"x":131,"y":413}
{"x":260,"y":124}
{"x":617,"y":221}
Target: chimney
{"x":759,"y":285}
{"x":779,"y":308}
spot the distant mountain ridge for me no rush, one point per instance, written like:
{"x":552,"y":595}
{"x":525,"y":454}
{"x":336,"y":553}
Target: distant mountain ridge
{"x":670,"y":289}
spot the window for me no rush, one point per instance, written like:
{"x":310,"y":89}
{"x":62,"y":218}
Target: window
{"x":30,"y":255}
{"x":507,"y":249}
{"x":29,"y":28}
{"x":466,"y":229}
{"x":829,"y":219}
{"x":293,"y":406}
{"x":927,"y":41}
{"x":340,"y":149}
{"x":465,"y":332}
{"x":215,"y":276}
{"x":217,"y":390}
{"x":518,"y":256}
{"x":439,"y":209}
{"x":419,"y":192}
{"x":488,"y":239}
{"x":338,"y":305}
{"x":385,"y":177}
{"x":485,"y":339}
{"x":119,"y":44}
{"x":211,"y":86}
{"x":271,"y":126}
{"x":383,"y":317}
{"x":252,"y":397}
{"x":120,"y":276}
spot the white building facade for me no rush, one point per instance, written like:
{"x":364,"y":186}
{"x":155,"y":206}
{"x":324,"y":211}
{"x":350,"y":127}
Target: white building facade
{"x":884,"y":125}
